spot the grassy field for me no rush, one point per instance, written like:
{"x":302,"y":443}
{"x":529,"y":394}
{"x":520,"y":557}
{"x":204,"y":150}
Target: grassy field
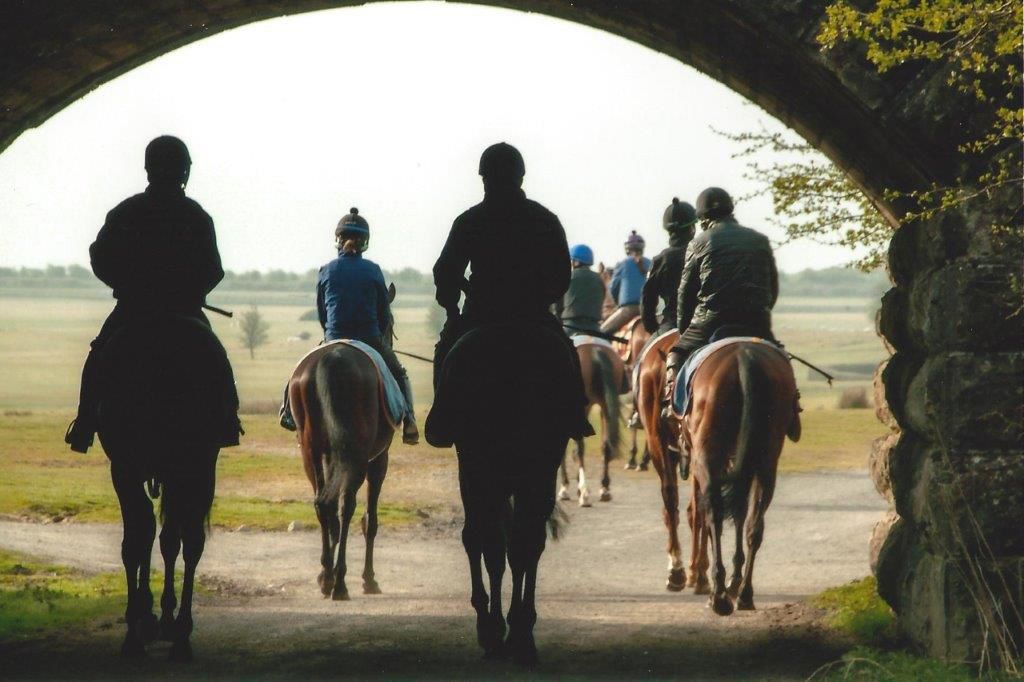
{"x":43,"y":341}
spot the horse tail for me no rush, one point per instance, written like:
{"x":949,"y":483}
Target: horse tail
{"x":606,"y":386}
{"x":335,"y":432}
{"x":755,"y":391}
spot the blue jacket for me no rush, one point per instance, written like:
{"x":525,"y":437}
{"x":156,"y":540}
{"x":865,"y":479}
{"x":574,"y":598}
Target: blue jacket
{"x":352,"y":299}
{"x":628,"y":279}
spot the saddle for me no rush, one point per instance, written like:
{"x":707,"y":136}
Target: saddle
{"x":683,"y":391}
{"x":392,"y":400}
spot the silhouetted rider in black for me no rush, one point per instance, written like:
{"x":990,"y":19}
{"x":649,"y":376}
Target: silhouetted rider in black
{"x":662,"y":284}
{"x":518,"y":256}
{"x":158,"y":252}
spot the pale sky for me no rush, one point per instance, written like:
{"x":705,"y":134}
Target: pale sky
{"x":387,"y":107}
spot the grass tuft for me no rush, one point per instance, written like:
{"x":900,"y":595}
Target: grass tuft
{"x":856,"y":610}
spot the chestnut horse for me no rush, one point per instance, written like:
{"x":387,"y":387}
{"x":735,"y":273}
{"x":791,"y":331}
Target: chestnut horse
{"x":604,"y":377}
{"x":344,"y":432}
{"x":744,"y":404}
{"x":662,"y":438}
{"x":637,"y":336}
{"x":166,"y":395}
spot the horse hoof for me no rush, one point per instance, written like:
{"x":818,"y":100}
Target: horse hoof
{"x":702,"y":588}
{"x":691,"y":580}
{"x":371,"y":587}
{"x":563,"y":494}
{"x":167,"y":630}
{"x":733,"y":591}
{"x":326,"y":585}
{"x":630,"y":466}
{"x":676,"y":580}
{"x":585,"y":500}
{"x":721,"y":604}
{"x":132,"y":648}
{"x":606,"y":495}
{"x":340,"y":595}
{"x":181,"y":651}
{"x":745,"y":605}
{"x":149,"y":628}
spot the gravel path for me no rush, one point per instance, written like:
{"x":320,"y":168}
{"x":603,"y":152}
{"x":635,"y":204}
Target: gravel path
{"x":603,"y":609}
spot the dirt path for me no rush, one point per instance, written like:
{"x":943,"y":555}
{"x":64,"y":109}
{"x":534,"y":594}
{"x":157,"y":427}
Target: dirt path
{"x":603,"y":610}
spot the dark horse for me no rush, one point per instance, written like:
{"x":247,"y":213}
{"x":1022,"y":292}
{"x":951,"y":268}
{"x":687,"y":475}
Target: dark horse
{"x":164,"y":403}
{"x":507,"y":399}
{"x":345,"y":432}
{"x":744,"y":405}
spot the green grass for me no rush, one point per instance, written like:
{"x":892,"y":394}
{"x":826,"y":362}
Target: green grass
{"x":38,"y":597}
{"x":261,"y":485}
{"x":856,"y":611}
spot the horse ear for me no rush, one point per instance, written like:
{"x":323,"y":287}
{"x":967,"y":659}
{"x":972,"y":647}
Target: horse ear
{"x":391,"y":293}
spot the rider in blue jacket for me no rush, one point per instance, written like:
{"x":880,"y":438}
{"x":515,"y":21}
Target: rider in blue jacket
{"x":627,"y":284}
{"x":352,"y":303}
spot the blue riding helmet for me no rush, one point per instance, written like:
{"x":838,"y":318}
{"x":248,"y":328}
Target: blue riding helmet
{"x":582,"y":253}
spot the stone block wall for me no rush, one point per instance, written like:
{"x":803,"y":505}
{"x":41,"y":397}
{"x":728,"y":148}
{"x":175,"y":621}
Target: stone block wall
{"x":950,"y":559}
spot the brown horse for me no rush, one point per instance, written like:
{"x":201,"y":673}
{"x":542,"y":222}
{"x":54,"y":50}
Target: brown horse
{"x":604,"y":379}
{"x":344,"y":432}
{"x":662,"y":437}
{"x":637,"y":337}
{"x":744,"y":404}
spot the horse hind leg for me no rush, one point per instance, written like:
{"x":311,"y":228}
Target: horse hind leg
{"x":375,"y":474}
{"x":352,"y":477}
{"x":606,"y":450}
{"x":563,"y":490}
{"x":714,"y":510}
{"x":583,"y":490}
{"x":494,"y":552}
{"x":189,"y":500}
{"x":761,"y":496}
{"x":136,"y":545}
{"x":170,"y":546}
{"x":532,"y":508}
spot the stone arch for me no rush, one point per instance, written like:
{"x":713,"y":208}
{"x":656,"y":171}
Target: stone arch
{"x":952,"y":395}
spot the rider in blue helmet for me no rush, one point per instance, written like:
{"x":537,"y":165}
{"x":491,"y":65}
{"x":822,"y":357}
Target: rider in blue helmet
{"x":627,"y":284}
{"x":580,"y":307}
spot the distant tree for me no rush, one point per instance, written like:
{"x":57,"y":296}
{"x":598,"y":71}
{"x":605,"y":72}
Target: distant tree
{"x":54,"y":271}
{"x":254,"y":330}
{"x":78,"y":272}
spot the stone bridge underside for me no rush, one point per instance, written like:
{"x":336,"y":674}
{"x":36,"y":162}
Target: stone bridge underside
{"x":951,"y":394}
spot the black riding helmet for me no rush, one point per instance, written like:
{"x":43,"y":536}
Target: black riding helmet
{"x":502,"y":160}
{"x":714,"y":203}
{"x":352,"y":225}
{"x":679,"y":217}
{"x":168,"y":160}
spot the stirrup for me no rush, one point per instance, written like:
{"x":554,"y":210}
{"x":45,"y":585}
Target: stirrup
{"x":79,"y":442}
{"x":287,"y":421}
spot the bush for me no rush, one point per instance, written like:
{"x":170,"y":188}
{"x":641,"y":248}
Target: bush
{"x":852,"y":398}
{"x":304,"y":335}
{"x":309,"y":316}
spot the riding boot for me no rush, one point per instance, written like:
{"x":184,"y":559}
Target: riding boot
{"x":82,"y":430}
{"x":410,"y":433}
{"x":673,"y":365}
{"x":287,"y":420}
